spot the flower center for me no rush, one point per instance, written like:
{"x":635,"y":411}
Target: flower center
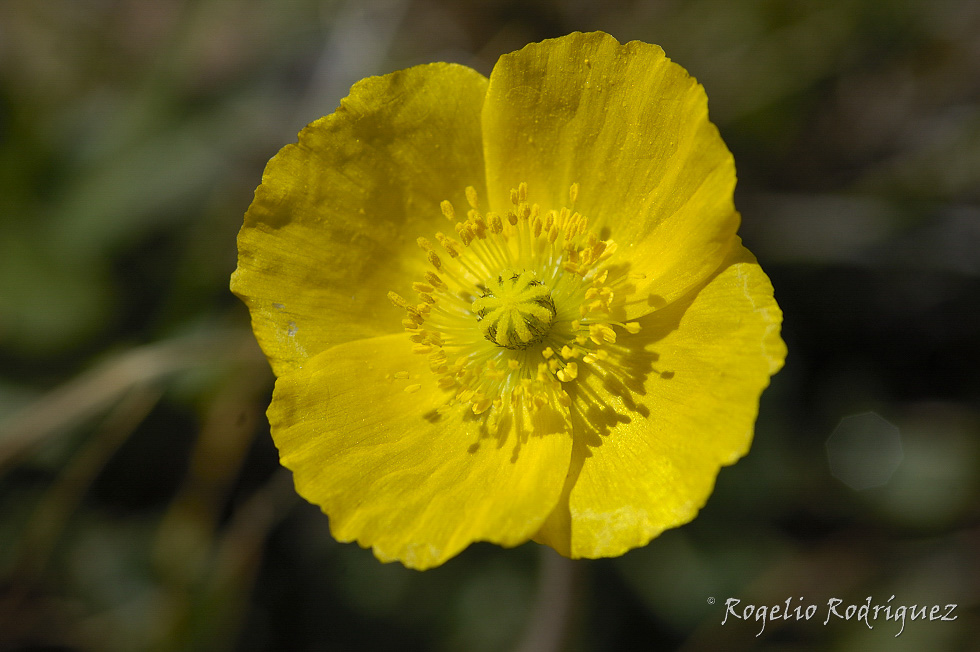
{"x":515,"y":311}
{"x":507,"y":318}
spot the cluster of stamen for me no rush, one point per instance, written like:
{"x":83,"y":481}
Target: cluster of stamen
{"x":513,"y":304}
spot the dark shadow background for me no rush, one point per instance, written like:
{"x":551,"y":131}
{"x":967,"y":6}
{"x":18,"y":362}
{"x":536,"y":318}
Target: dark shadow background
{"x":141,"y":505}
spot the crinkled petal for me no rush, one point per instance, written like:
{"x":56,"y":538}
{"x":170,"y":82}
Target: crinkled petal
{"x":393,"y":474}
{"x":631,"y":128}
{"x":682,"y":403}
{"x":332,"y":227}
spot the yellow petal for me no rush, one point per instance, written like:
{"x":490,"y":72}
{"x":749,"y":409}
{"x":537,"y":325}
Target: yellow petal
{"x":686,"y":398}
{"x":631,"y":128}
{"x":393,"y":474}
{"x":332,"y":227}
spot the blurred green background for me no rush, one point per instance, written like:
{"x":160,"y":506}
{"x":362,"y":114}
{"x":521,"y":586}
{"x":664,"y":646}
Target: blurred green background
{"x":141,"y":503}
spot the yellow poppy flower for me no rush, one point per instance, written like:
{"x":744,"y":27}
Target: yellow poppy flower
{"x":509,"y":309}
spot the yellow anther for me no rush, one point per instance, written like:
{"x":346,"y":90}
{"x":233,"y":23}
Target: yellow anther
{"x":513,"y":364}
{"x":422,"y":349}
{"x":438,"y":357}
{"x":512,"y":218}
{"x":446,"y":382}
{"x":522,"y":192}
{"x":480,"y":226}
{"x":451,"y":247}
{"x":568,"y":352}
{"x":548,"y":352}
{"x":424,"y":244}
{"x":496,"y":224}
{"x":600,"y":333}
{"x":570,"y":372}
{"x":398,"y":300}
{"x":573,"y":193}
{"x":448,"y":210}
{"x":434,"y":259}
{"x":403,"y":375}
{"x":471,"y":196}
{"x":411,"y":389}
{"x":433,"y":279}
{"x":426,"y":297}
{"x":422,"y":287}
{"x":632,"y":327}
{"x":513,"y":196}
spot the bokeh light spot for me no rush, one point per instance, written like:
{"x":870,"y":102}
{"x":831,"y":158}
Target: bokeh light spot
{"x":864,"y":451}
